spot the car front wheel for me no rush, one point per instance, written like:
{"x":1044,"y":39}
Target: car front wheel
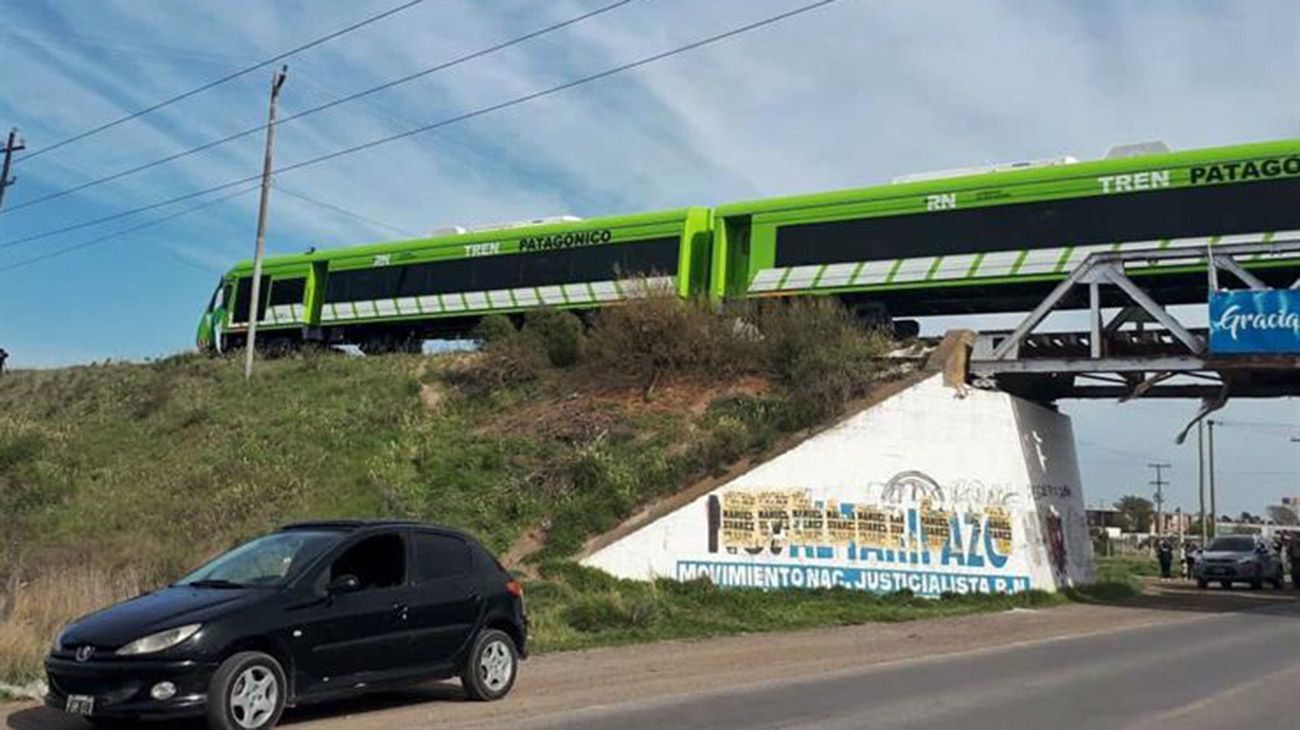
{"x":490,"y":670}
{"x":247,"y":692}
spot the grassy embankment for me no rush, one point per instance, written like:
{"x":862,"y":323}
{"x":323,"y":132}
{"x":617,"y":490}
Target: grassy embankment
{"x":114,"y":478}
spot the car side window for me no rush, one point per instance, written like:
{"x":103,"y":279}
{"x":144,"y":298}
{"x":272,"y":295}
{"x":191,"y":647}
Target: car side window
{"x":377,"y":562}
{"x":439,"y":556}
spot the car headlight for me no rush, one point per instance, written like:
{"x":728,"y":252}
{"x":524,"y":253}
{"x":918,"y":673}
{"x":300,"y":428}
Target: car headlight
{"x":159,"y":641}
{"x":58,"y":640}
{"x":1245,"y":560}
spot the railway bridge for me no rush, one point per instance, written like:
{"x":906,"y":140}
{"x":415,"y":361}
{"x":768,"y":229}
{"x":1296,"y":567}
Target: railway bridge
{"x":1144,"y":350}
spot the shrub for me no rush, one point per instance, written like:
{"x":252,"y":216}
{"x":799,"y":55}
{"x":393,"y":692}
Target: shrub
{"x":558,"y":333}
{"x":506,"y":357}
{"x":660,"y":335}
{"x":495,"y":328}
{"x":820,"y":353}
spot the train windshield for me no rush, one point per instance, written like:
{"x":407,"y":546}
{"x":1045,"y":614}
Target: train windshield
{"x":217,"y":298}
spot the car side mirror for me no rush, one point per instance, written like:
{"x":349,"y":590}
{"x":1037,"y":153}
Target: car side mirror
{"x":347,"y":583}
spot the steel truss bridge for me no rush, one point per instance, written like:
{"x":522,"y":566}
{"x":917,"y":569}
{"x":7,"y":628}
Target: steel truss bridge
{"x":1143,"y":351}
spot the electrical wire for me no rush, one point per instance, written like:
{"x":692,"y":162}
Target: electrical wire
{"x":321,"y":107}
{"x":344,"y":211}
{"x":117,"y":234}
{"x":646,"y":60}
{"x":228,"y":77}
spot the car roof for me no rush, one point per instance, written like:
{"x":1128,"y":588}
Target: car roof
{"x":371,"y":524}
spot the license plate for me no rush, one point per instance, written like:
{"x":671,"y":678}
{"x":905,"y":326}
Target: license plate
{"x":80,"y":705}
{"x":1216,"y":571}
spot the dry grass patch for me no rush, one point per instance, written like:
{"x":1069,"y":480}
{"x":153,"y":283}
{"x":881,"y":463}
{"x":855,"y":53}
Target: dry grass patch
{"x":43,"y":606}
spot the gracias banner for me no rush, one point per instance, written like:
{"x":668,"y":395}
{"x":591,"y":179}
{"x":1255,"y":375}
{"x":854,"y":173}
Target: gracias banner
{"x":1255,"y":322}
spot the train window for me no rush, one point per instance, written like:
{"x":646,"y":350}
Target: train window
{"x":658,"y":256}
{"x":591,"y":263}
{"x":1157,"y":214}
{"x":244,"y":295}
{"x":437,"y":277}
{"x":288,"y":291}
{"x":361,"y":285}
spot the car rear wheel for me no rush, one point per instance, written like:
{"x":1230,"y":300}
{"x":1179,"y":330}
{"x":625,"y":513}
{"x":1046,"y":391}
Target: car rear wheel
{"x":247,"y":692}
{"x":490,"y":670}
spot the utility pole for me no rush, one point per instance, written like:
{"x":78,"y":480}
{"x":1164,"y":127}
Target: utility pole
{"x":1159,"y":483}
{"x":1214,"y":512}
{"x":14,"y":144}
{"x":1200,"y":464}
{"x":254,"y":312}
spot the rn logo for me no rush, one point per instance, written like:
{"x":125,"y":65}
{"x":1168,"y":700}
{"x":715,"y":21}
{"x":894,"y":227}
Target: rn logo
{"x":942,"y":201}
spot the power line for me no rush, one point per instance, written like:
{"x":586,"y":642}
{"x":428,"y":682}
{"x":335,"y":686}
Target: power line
{"x":439,"y":124}
{"x":344,"y":211}
{"x":228,"y":77}
{"x":322,"y":107}
{"x":117,"y":234}
{"x":1258,"y":424}
{"x":1112,"y":449}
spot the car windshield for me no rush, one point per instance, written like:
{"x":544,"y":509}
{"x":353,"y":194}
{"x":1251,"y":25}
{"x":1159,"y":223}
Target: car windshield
{"x":266,"y":561}
{"x":1233,"y":545}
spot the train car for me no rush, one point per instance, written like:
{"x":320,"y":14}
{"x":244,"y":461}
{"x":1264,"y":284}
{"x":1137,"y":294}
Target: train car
{"x":998,"y":240}
{"x":392,"y":296}
{"x":994,"y":239}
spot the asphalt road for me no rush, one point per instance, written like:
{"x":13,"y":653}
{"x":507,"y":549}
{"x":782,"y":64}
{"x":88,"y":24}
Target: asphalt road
{"x":1239,"y":669}
{"x":1177,"y":658}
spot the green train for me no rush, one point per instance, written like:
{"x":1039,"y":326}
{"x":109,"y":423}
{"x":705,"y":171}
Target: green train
{"x":982,"y":240}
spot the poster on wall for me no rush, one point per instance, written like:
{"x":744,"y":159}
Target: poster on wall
{"x":911,"y":533}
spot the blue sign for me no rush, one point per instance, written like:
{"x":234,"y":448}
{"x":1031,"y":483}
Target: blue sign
{"x":1255,"y":322}
{"x":775,"y":576}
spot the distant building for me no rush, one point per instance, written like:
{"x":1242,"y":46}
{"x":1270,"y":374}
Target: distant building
{"x":1174,"y":523}
{"x":1113,"y":522}
{"x":1106,"y":518}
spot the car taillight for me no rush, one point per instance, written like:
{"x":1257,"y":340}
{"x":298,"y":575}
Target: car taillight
{"x":516,"y":588}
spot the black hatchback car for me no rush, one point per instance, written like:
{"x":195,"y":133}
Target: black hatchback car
{"x":311,"y":612}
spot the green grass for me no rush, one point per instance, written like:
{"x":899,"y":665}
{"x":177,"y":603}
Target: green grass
{"x":116,"y":477}
{"x":144,"y":470}
{"x":1126,"y":568}
{"x":580,"y":608}
{"x":1117,"y":579}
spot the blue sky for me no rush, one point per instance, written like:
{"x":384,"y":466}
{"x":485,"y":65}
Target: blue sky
{"x":848,"y":95}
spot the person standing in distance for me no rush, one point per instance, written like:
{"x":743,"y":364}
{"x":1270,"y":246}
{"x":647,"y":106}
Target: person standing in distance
{"x":1166,"y":555}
